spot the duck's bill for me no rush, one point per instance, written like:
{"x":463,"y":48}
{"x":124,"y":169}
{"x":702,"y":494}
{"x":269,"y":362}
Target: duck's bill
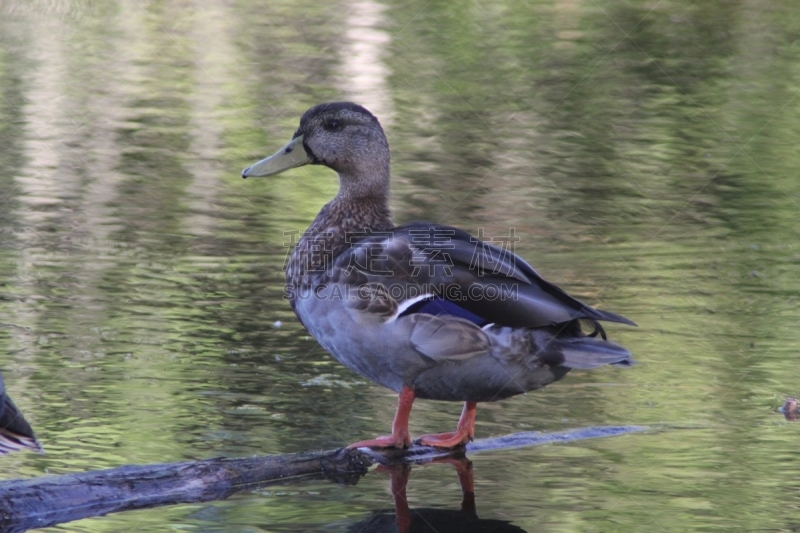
{"x":290,"y":156}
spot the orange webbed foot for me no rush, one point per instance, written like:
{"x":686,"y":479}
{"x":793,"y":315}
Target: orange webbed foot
{"x":399,"y":437}
{"x":452,"y":439}
{"x":463,"y":434}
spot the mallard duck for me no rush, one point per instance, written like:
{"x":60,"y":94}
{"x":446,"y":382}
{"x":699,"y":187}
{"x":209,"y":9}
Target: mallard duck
{"x":424,"y":309}
{"x":15,"y":432}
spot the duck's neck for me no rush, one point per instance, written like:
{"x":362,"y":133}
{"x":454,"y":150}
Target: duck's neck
{"x":339,"y":223}
{"x":366,"y":178}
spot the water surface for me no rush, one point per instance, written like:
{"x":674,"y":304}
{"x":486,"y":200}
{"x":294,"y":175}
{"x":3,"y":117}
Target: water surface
{"x":645,"y":153}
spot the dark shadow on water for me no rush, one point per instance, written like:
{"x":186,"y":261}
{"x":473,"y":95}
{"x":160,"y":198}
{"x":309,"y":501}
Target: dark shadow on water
{"x":430,"y":520}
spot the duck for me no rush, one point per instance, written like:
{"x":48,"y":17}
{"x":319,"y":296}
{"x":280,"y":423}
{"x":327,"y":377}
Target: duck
{"x":426,"y":310}
{"x":15,"y":432}
{"x":790,"y":409}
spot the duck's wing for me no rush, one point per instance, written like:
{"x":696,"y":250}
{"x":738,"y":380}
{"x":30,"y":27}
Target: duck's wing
{"x":438,"y":269}
{"x":15,"y":432}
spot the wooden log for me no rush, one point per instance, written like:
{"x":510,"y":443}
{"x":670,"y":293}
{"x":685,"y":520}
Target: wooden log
{"x":50,"y":500}
{"x":42,"y":502}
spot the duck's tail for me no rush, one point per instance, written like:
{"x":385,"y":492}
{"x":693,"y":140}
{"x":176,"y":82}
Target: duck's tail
{"x":584,"y":353}
{"x":15,"y":432}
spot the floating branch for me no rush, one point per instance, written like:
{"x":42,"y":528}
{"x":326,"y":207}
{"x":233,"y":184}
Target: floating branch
{"x":50,"y":500}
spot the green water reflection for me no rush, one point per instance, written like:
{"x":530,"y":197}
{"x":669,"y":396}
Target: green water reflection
{"x":645,"y":152}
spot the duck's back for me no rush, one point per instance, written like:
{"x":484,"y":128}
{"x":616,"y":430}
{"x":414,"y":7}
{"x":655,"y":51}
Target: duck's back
{"x":431,"y":307}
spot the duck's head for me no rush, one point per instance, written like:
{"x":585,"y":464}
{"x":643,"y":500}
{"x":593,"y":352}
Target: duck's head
{"x":342,"y":136}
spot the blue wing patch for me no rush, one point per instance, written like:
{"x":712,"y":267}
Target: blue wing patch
{"x":437,"y":306}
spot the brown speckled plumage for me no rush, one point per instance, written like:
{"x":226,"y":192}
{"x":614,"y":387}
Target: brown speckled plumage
{"x":332,"y":232}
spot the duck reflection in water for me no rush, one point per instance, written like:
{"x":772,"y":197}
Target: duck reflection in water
{"x":427,"y":520}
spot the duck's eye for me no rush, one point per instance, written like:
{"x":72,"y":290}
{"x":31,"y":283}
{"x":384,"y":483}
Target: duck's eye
{"x":333,"y":125}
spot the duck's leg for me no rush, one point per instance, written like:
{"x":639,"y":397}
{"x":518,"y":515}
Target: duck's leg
{"x":399,"y":437}
{"x":463,"y":434}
